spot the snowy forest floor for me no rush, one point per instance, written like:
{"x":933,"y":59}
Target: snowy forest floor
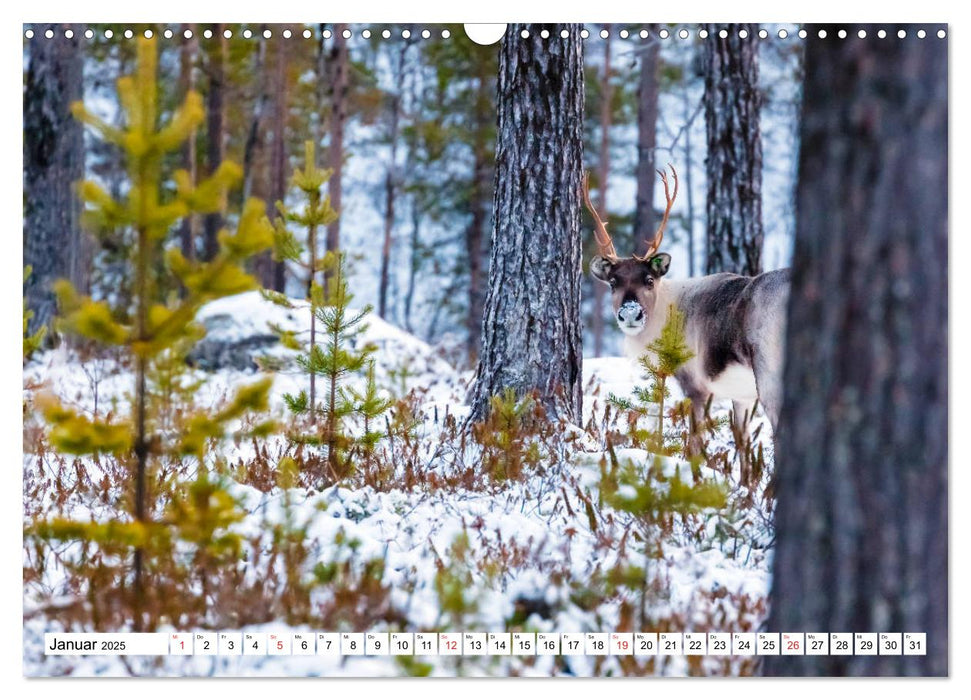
{"x":447,"y":534}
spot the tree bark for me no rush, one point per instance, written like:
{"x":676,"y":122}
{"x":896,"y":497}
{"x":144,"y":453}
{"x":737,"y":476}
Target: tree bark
{"x":647,"y":94}
{"x":216,"y":147}
{"x":339,"y":60}
{"x":734,"y":165}
{"x":861,"y":519}
{"x":531,"y":339}
{"x":53,"y":163}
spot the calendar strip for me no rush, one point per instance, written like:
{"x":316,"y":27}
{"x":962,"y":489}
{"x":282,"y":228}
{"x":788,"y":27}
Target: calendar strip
{"x":349,"y":644}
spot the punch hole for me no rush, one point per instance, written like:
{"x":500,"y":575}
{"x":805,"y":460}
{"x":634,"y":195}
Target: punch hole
{"x":484,"y":34}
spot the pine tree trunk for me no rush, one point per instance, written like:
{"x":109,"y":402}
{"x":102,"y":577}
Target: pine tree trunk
{"x":862,"y":450}
{"x":53,"y":163}
{"x":531,"y":337}
{"x":216,"y":149}
{"x":734,"y":165}
{"x":273,"y":273}
{"x":603,"y":176}
{"x":338,"y":117}
{"x":187,"y":83}
{"x":647,"y":93}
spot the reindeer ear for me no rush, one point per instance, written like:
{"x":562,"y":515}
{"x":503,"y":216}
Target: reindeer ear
{"x":601,"y":268}
{"x":659,"y":264}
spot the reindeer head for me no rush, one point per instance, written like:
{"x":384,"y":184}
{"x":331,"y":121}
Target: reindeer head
{"x":634,"y":281}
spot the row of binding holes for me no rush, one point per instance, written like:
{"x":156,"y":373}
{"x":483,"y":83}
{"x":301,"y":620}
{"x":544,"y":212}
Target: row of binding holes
{"x":246,"y":34}
{"x":742,"y":33}
{"x":445,"y":34}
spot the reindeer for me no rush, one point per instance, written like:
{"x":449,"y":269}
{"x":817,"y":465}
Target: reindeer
{"x":734,"y":324}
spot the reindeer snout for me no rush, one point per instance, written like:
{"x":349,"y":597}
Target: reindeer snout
{"x":630,"y":313}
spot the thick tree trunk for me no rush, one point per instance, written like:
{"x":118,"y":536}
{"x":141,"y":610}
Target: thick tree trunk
{"x":531,"y":339}
{"x":647,"y":92}
{"x":53,"y":163}
{"x":734,"y":164}
{"x":187,"y":83}
{"x":216,"y":148}
{"x":338,"y":116}
{"x":861,"y":519}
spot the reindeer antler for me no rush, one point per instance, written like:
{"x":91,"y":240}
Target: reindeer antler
{"x":659,"y":235}
{"x":604,"y":243}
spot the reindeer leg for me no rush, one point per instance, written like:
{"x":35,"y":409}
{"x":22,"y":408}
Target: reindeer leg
{"x":768,"y":382}
{"x":696,"y":431}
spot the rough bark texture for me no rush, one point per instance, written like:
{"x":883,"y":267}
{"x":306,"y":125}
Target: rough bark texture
{"x":338,"y":116}
{"x":531,"y":329}
{"x":647,"y":91}
{"x":734,"y":163}
{"x":53,"y":163}
{"x":863,"y":443}
{"x":215,"y":127}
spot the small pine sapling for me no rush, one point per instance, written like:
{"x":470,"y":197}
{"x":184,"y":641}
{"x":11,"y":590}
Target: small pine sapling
{"x":155,"y":330}
{"x":370,"y":405}
{"x":316,"y":213}
{"x":338,"y":356}
{"x":664,"y":357}
{"x":330,"y":353}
